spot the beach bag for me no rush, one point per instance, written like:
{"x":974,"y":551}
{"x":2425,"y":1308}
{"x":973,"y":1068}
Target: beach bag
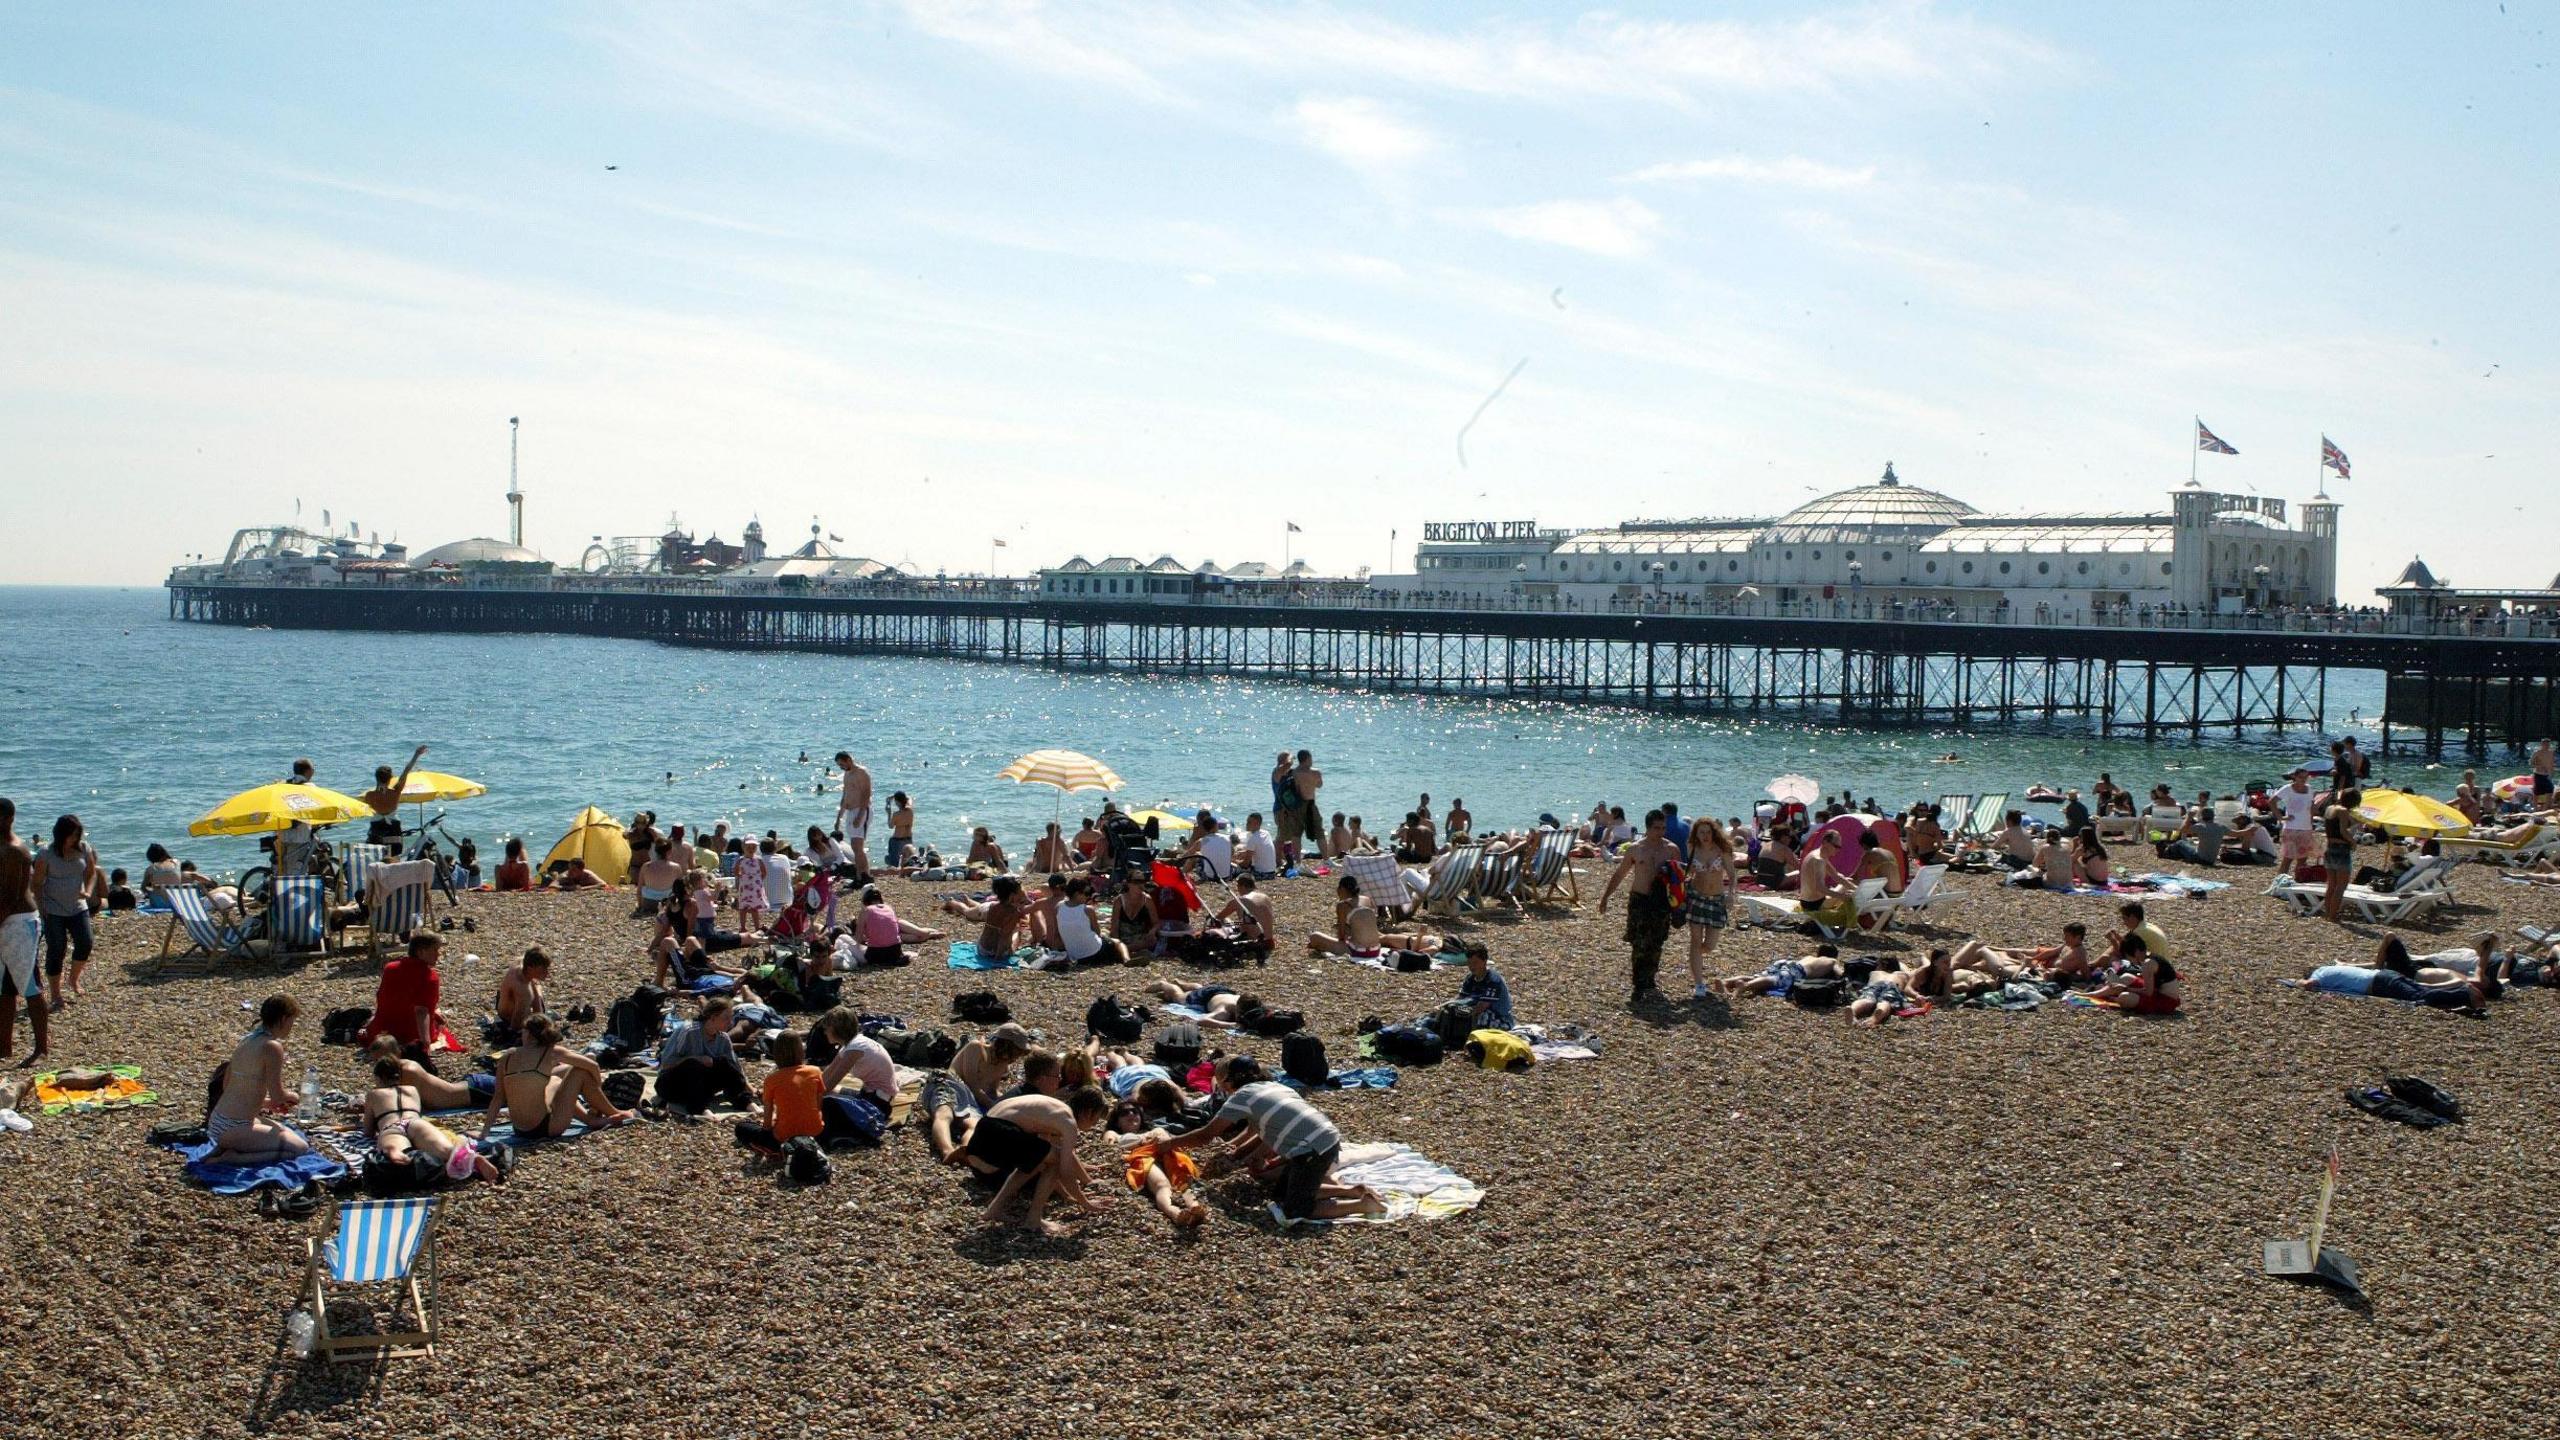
{"x":1302,"y":1058}
{"x":2424,"y":1094}
{"x":1270,"y":1023}
{"x":637,"y":1020}
{"x":1828,"y":992}
{"x":866,"y":1121}
{"x":1500,"y":1050}
{"x":1409,"y":1044}
{"x":343,"y":1027}
{"x":806,"y":1163}
{"x":1859,"y":970}
{"x":1113,"y":1021}
{"x":926,"y":1049}
{"x":625,"y":1087}
{"x":1453,"y":1022}
{"x":820,"y":993}
{"x":1177,"y":1046}
{"x":980,"y":1007}
{"x":1410,"y":962}
{"x":778,"y":984}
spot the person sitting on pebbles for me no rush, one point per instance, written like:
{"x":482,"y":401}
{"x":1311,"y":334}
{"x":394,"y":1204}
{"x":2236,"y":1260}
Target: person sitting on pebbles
{"x":1782,"y":976}
{"x":2144,"y":983}
{"x":954,"y":1100}
{"x":405,"y":1139}
{"x":521,"y":994}
{"x":1359,"y":935}
{"x":1030,"y":1140}
{"x":1304,"y":1145}
{"x":544,"y":1086}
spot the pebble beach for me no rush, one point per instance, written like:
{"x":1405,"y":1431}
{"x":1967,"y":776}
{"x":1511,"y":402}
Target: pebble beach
{"x":1756,"y":1220}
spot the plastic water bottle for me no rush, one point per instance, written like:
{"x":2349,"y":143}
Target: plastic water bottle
{"x":300,"y":1333}
{"x":310,"y":1091}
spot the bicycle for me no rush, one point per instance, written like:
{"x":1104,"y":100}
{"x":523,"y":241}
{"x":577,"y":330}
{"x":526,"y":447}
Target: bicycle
{"x":258,"y":881}
{"x":427,"y":849}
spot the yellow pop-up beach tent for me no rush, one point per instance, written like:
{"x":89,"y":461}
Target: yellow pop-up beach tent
{"x":596,"y":838}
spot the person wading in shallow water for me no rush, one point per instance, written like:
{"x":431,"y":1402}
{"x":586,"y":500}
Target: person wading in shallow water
{"x":1642,"y":869}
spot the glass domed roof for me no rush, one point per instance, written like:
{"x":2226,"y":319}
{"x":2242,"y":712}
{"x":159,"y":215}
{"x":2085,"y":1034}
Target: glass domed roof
{"x":1886,"y":510}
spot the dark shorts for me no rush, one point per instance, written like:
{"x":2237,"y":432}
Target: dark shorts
{"x":2389,"y":985}
{"x":1295,"y":1186}
{"x":884,"y":954}
{"x":2541,"y":784}
{"x":1004,"y":1147}
{"x":2339,"y":859}
{"x":1200,"y":995}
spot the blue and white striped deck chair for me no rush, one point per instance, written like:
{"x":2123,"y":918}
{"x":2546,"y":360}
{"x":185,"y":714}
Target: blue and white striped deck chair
{"x":396,"y":902}
{"x":358,"y":869}
{"x":205,"y":935}
{"x":298,"y":915}
{"x":1450,"y":883}
{"x":1550,"y":879}
{"x":377,"y":1242}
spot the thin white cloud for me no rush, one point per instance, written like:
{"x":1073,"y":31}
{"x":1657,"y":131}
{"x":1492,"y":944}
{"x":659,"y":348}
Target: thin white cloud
{"x":1618,"y":228}
{"x":1361,"y":133}
{"x":1144,"y":47}
{"x":1789,"y":170}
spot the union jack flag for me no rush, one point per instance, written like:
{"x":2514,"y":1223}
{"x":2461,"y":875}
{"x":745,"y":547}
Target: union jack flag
{"x":2213,"y":444}
{"x":2333,"y":457}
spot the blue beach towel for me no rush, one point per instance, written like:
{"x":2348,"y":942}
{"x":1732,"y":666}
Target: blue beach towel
{"x":227,"y":1179}
{"x":1370,"y":1077}
{"x":965,"y":956}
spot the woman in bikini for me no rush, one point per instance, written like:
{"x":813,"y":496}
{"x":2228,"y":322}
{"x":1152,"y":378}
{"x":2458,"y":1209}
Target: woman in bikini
{"x":395,"y":1116}
{"x":1711,"y":877}
{"x":2089,"y":863}
{"x":437,"y":1092}
{"x":544,"y":1087}
{"x":241,"y":1123}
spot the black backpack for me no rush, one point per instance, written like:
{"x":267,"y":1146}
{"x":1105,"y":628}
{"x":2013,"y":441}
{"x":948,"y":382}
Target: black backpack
{"x":1828,"y":992}
{"x":980,"y":1007}
{"x":1410,"y":1044}
{"x":1120,"y":1024}
{"x":1302,"y":1058}
{"x":341,"y":1027}
{"x":637,"y":1020}
{"x":1453,"y":1023}
{"x":1178,"y":1046}
{"x":625,"y":1087}
{"x":1412,"y":962}
{"x":1272,"y":1024}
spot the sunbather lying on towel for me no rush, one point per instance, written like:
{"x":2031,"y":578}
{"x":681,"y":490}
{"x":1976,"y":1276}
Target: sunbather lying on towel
{"x":437,"y":1092}
{"x":544,"y":1087}
{"x":1152,"y":1169}
{"x":395,"y":1116}
{"x":2143,"y":983}
{"x":1358,"y":934}
{"x":1782,"y":975}
{"x":1218,"y":1004}
{"x":241,"y":1123}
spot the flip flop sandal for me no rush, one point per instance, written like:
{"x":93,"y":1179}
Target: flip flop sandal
{"x":470,"y":926}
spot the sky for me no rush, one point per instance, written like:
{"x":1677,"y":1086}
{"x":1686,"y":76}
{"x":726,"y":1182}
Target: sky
{"x":1155,"y":278}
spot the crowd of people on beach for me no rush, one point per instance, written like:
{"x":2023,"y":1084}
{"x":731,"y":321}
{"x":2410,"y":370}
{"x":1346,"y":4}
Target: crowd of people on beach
{"x":750,"y":929}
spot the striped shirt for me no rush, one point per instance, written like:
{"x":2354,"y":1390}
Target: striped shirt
{"x":1282,"y":1119}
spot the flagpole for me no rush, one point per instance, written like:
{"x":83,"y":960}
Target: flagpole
{"x":2195,"y":447}
{"x":1284,"y":545}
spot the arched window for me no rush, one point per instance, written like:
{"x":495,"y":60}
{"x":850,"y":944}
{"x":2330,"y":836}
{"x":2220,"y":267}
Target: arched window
{"x":1733,"y":565}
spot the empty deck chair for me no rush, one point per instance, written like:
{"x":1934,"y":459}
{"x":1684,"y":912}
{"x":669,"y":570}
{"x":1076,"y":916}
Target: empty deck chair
{"x":1549,"y":877}
{"x":205,"y":935}
{"x":1928,"y":887}
{"x":356,"y":872}
{"x":1449,"y":883}
{"x":376,"y":1242}
{"x":395,"y":902}
{"x":298,"y":915}
{"x":1989,"y":814}
{"x":1953,"y":812}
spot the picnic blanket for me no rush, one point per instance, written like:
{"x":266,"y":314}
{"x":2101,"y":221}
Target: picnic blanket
{"x":123,"y":1091}
{"x":1445,"y":960}
{"x":1546,"y":1050}
{"x":1413,"y":1185}
{"x":2168,"y":884}
{"x":2016,"y":995}
{"x":965,"y":956}
{"x":230,"y":1179}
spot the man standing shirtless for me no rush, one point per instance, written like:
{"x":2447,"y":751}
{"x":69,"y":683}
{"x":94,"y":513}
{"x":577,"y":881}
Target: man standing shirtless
{"x":19,"y":941}
{"x":853,"y":815}
{"x":1642,"y":868}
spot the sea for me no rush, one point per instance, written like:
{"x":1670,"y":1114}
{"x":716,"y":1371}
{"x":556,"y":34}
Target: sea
{"x":139,"y":724}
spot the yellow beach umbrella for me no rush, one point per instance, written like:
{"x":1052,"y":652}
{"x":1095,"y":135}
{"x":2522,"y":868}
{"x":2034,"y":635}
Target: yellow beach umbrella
{"x":2402,"y":813}
{"x":596,"y":838}
{"x":427,"y":787}
{"x":273,"y":808}
{"x":1165,"y":819}
{"x":1068,"y":770}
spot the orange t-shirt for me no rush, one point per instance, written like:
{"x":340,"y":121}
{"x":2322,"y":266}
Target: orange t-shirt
{"x":793,"y":1094}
